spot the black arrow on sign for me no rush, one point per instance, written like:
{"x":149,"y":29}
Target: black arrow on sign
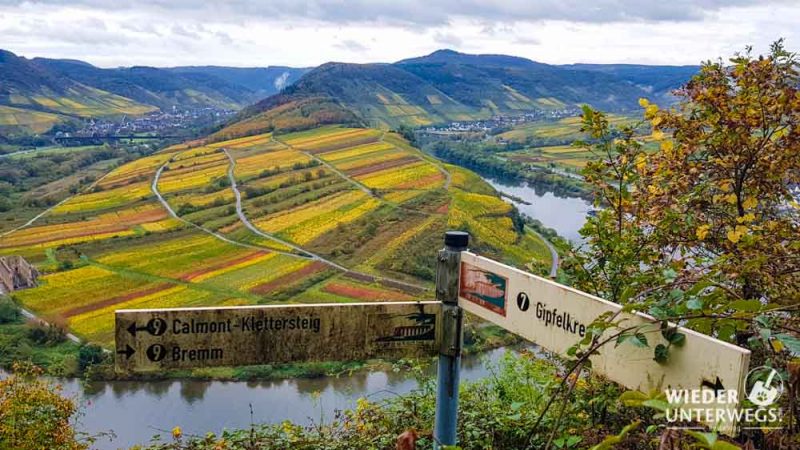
{"x":716,"y":387}
{"x":132,"y":329}
{"x":155,"y":327}
{"x":128,"y":352}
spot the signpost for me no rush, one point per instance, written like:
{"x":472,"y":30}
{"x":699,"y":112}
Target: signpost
{"x":448,"y":375}
{"x":556,"y":317}
{"x":150,"y":340}
{"x":544,"y":312}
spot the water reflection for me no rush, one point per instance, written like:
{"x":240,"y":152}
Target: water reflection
{"x":137,"y":410}
{"x":194,"y":392}
{"x":566,"y":215}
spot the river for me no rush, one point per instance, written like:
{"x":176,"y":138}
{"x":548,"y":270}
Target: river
{"x":136,"y":410}
{"x":566,"y":215}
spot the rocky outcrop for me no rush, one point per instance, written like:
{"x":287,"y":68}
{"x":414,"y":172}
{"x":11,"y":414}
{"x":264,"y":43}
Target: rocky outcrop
{"x":16,"y":273}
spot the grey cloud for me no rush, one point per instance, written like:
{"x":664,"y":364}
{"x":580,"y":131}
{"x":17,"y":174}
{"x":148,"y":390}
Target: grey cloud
{"x":424,"y":12}
{"x":84,"y":36}
{"x":144,"y":28}
{"x":87,"y":31}
{"x":447,"y":39}
{"x":494,"y":29}
{"x":527,"y":40}
{"x":224,"y":37}
{"x":179,"y":30}
{"x":353,"y":46}
{"x":93,"y":22}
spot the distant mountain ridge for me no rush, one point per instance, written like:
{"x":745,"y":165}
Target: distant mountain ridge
{"x":263,"y":81}
{"x":656,"y":80}
{"x":224,"y":87}
{"x":34,"y":98}
{"x":448,"y":86}
{"x":38,"y":93}
{"x":444,"y":86}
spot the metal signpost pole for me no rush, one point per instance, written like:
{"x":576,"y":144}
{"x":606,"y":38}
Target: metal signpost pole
{"x":447,"y":283}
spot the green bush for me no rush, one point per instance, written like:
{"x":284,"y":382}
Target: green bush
{"x":33,"y":413}
{"x":89,"y":355}
{"x":46,"y":334}
{"x":9,"y":312}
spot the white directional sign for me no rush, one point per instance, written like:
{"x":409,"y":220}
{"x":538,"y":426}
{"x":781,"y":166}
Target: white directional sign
{"x":150,"y":340}
{"x":556,"y":317}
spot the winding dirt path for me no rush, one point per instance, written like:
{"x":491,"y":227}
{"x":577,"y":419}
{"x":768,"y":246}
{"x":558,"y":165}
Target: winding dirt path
{"x":34,"y":318}
{"x":165,"y":204}
{"x":253,"y":228}
{"x":333,"y":169}
{"x":243,"y":218}
{"x":13,"y":154}
{"x":47,"y":211}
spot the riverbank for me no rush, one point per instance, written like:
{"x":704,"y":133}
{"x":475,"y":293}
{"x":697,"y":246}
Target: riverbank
{"x":475,"y":157}
{"x":136,"y":410}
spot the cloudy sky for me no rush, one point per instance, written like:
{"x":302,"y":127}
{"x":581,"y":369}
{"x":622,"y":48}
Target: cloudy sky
{"x":112,"y":33}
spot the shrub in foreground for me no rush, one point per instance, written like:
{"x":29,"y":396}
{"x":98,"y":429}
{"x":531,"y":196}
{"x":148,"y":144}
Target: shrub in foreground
{"x":33,"y":413}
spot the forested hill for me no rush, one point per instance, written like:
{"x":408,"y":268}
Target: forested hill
{"x":450,"y":86}
{"x":262,"y":81}
{"x":36,"y":94}
{"x":228,"y":87}
{"x":658,"y":81}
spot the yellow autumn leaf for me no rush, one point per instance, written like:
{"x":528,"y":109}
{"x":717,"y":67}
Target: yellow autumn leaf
{"x":667,"y":146}
{"x":641,"y":162}
{"x":733,"y":236}
{"x":643,"y":102}
{"x":731,"y":198}
{"x":750,"y":203}
{"x":726,"y":185}
{"x":777,"y":345}
{"x":177,"y":433}
{"x":702,"y":231}
{"x":658,"y":135}
{"x":656,"y":121}
{"x":747,"y":218}
{"x":650,"y":111}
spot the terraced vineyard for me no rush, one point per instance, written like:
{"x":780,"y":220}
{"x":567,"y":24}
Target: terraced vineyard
{"x":548,"y":143}
{"x":567,"y":156}
{"x":566,"y":129}
{"x":12,"y":119}
{"x":327,"y":215}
